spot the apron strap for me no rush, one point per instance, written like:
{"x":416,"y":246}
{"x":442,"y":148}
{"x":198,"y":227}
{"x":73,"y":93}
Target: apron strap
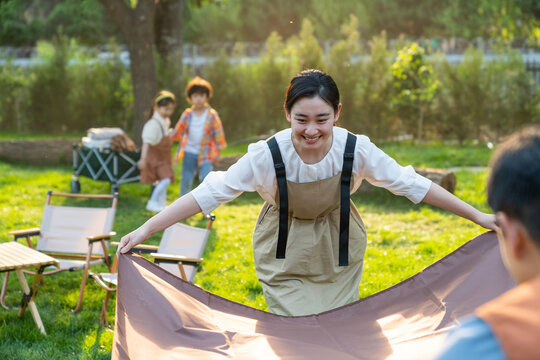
{"x":279,"y":166}
{"x":348,"y":157}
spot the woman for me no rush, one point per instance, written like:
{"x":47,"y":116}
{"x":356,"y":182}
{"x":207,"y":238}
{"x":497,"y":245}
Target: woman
{"x":309,"y":240}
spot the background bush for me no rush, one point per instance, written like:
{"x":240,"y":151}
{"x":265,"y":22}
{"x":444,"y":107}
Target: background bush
{"x":73,"y":88}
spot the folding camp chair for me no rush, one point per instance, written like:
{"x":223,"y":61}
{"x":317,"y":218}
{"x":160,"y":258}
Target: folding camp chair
{"x":179,"y":252}
{"x":77,"y":236}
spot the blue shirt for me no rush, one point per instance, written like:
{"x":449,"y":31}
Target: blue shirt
{"x":471,"y":340}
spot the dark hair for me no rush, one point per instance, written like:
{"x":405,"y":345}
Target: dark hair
{"x":309,"y":83}
{"x":198,"y":86}
{"x":163,"y":98}
{"x":514,"y":182}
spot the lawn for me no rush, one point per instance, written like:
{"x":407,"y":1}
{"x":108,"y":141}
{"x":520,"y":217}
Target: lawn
{"x":403,"y":238}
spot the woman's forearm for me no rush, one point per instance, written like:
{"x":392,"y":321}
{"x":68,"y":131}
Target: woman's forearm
{"x":181,"y":209}
{"x":439,"y":197}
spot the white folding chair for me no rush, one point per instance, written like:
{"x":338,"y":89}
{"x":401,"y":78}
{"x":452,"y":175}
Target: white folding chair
{"x":78,"y":237}
{"x":179,"y":252}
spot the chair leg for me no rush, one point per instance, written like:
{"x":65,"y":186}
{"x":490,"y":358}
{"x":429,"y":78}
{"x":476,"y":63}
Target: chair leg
{"x":81,"y":292}
{"x":83,"y":282}
{"x":3,"y":294}
{"x":103,"y":318}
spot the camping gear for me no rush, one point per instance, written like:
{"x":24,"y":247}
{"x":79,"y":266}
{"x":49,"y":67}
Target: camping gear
{"x":78,"y":237}
{"x":104,"y":164}
{"x":158,"y":315}
{"x":14,"y":256}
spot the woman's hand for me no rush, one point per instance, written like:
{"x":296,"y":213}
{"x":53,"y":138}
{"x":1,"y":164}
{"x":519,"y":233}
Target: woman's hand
{"x":132,"y":239}
{"x":489,"y":221}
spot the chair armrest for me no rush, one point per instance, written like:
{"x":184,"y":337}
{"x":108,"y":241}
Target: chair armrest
{"x":24,"y":233}
{"x":171,"y":258}
{"x":141,"y":248}
{"x":95,"y":238}
{"x":100,"y":282}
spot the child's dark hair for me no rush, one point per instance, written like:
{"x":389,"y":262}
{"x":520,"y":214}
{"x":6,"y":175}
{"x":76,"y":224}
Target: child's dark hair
{"x":198,"y":86}
{"x":163,"y":98}
{"x":514,"y":182}
{"x":309,"y":83}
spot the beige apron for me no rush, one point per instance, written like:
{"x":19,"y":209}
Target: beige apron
{"x":309,"y":279}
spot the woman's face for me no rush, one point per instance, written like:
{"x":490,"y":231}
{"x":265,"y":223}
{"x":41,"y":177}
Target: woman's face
{"x":165,"y":111}
{"x":312,"y":120}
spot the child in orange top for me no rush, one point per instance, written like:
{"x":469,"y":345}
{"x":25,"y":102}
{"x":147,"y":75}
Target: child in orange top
{"x":155,"y":162}
{"x":199,"y":133}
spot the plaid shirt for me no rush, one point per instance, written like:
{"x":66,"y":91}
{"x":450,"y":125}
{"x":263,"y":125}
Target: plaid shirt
{"x":213,"y":140}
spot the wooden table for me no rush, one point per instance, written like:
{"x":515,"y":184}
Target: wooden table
{"x":14,"y":256}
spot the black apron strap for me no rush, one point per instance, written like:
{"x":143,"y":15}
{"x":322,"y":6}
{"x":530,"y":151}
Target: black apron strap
{"x":279,"y":166}
{"x":348,"y":157}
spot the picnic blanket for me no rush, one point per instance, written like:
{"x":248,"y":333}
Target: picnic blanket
{"x":161,"y":316}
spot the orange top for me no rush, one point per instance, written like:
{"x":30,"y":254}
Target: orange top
{"x":514,"y":318}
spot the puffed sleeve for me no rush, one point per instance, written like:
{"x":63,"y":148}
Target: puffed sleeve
{"x":379,"y":169}
{"x":151,"y":133}
{"x":252,"y":172}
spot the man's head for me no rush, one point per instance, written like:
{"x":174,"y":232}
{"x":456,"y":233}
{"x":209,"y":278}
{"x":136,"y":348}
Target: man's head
{"x":514,"y":195}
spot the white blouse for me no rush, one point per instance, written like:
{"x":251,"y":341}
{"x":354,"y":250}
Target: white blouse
{"x":255,"y":171}
{"x":154,"y":129}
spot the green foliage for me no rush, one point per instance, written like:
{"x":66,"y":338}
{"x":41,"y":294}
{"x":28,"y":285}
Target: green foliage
{"x":485,"y":99}
{"x":385,"y":93}
{"x":305,"y":49}
{"x":69,"y":90}
{"x":13,"y":81}
{"x":343,"y":67}
{"x":376,"y":116}
{"x":25,"y":22}
{"x":49,"y":87}
{"x":414,"y":83}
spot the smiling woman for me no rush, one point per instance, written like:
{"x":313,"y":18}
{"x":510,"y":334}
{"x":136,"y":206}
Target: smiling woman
{"x":309,"y":240}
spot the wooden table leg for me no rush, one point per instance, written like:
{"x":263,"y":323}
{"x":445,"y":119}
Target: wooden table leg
{"x":31,"y":303}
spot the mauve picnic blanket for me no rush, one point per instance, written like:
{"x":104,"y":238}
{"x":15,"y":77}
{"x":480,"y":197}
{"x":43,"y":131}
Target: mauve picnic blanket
{"x":160,"y":316}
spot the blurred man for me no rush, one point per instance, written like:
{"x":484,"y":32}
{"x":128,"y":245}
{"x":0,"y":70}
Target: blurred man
{"x":509,"y":326}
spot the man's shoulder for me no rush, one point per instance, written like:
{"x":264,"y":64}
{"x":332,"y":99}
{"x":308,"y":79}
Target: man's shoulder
{"x":473,"y":339}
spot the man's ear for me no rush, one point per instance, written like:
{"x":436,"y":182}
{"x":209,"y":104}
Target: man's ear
{"x":515,"y":235}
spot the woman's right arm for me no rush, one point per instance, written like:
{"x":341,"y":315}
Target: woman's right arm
{"x":181,"y":209}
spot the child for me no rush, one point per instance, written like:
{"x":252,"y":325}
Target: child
{"x":309,"y":240}
{"x":155,"y":162}
{"x":199,"y":133}
{"x":509,"y":326}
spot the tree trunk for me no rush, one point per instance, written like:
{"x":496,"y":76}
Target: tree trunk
{"x":168,"y":35}
{"x":168,"y":39}
{"x":420,"y":125}
{"x":137,"y":26}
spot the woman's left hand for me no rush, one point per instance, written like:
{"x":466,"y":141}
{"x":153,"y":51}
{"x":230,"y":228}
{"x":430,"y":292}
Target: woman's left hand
{"x":489,"y":221}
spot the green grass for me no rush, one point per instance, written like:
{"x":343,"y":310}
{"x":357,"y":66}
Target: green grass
{"x":403,"y":238}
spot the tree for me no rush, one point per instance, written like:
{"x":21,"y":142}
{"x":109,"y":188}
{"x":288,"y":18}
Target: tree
{"x":168,"y":35}
{"x":414,"y":82}
{"x":137,"y":25}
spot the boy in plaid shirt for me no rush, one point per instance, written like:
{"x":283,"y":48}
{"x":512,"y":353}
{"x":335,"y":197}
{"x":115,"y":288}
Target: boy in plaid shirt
{"x":199,"y":134}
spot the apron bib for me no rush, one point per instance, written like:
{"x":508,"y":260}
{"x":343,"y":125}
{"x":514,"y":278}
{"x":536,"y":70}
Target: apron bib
{"x":309,"y":279}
